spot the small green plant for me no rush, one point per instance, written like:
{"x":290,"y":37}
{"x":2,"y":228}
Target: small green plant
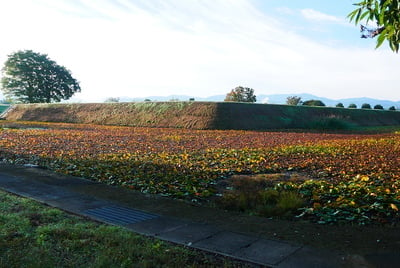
{"x":289,"y":201}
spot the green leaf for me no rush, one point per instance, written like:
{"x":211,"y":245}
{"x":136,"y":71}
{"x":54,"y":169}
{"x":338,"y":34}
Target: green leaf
{"x":366,"y":13}
{"x":352,"y":15}
{"x":357,"y":19}
{"x":380,"y":40}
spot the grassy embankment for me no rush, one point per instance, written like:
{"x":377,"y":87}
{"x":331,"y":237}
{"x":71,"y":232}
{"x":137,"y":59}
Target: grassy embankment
{"x":206,"y":115}
{"x":3,"y":107}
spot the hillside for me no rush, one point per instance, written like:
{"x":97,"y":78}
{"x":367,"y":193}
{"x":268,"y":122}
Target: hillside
{"x":204,"y":115}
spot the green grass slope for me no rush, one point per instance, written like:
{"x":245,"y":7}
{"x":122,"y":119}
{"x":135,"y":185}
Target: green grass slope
{"x":3,"y":107}
{"x":205,"y":115}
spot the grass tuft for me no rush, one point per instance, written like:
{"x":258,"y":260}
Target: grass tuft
{"x":257,"y":196}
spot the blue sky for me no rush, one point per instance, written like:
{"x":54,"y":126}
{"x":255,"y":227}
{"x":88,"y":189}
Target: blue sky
{"x":138,"y":48}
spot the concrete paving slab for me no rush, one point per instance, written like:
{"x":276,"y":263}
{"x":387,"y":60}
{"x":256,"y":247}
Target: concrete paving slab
{"x":38,"y":191}
{"x":77,"y":203}
{"x":51,"y":194}
{"x":225,"y":242}
{"x":189,"y":234}
{"x":64,"y":181}
{"x":268,"y":252}
{"x":157,"y":226}
{"x":307,"y":257}
{"x":5,"y":179}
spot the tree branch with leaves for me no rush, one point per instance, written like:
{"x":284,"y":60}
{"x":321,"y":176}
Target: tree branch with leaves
{"x":385,"y":14}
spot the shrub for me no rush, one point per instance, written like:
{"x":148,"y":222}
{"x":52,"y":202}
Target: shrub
{"x":378,"y":107}
{"x":258,"y":196}
{"x":352,"y":106}
{"x":366,"y":106}
{"x":392,"y":108}
{"x":330,"y":124}
{"x":314,"y":103}
{"x":340,"y":105}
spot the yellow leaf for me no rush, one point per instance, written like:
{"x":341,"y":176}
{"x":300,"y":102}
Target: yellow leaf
{"x":364,"y":178}
{"x":394,"y":207}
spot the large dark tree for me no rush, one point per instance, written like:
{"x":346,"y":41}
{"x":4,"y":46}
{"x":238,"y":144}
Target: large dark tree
{"x":241,"y":94}
{"x":385,"y":14}
{"x":30,"y":77}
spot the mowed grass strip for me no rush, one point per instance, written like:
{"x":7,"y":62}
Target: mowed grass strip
{"x":34,"y":235}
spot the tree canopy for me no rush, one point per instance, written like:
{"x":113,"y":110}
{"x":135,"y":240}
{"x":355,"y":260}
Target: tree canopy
{"x":366,"y":106}
{"x":313,"y":103}
{"x":352,"y":106}
{"x":241,"y":94}
{"x":385,"y":14}
{"x":340,"y":105}
{"x":293,"y":100}
{"x":30,"y":77}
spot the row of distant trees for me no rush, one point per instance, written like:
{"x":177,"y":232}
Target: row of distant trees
{"x":245,"y":94}
{"x":295,"y":100}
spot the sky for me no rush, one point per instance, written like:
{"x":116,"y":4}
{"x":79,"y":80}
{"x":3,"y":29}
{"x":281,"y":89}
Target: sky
{"x":201,"y":48}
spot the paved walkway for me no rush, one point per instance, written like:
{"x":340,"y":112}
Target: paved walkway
{"x":128,"y":209}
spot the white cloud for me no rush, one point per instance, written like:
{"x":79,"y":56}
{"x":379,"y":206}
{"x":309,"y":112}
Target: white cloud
{"x":265,"y":100}
{"x":315,"y":15}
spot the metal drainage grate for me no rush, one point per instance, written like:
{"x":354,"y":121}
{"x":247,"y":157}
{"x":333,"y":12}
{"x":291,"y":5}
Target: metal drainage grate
{"x":119,"y":215}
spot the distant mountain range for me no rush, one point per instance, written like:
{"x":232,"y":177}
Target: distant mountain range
{"x":277,"y":99}
{"x":271,"y":99}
